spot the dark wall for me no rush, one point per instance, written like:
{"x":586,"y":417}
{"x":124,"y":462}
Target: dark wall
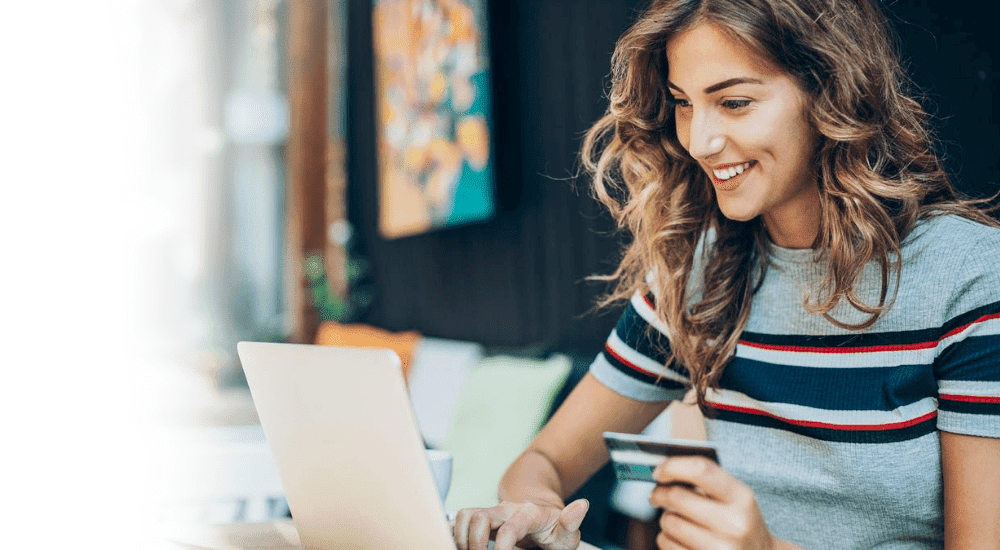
{"x":952,"y":51}
{"x":517,"y":280}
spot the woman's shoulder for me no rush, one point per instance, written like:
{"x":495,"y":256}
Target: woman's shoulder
{"x":955,"y":260}
{"x":953,"y":235}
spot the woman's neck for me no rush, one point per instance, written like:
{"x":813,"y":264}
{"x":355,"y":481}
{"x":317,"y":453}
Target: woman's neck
{"x":795,"y":225}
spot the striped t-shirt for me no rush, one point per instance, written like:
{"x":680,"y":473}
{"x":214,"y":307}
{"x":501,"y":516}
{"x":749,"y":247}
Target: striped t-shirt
{"x":835,"y":430}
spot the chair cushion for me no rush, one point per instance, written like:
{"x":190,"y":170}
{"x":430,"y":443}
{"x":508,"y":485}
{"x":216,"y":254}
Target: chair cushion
{"x":359,"y":335}
{"x":503,"y":404}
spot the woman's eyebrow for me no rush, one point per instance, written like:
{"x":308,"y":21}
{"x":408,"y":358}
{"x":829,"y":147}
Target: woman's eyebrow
{"x":721,"y":85}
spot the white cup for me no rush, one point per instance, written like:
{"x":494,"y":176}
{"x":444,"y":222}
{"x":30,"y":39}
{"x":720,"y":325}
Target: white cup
{"x":440,"y":463}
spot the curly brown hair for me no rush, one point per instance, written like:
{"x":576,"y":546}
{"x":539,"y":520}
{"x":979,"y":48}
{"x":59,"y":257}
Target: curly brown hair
{"x":875,"y":161}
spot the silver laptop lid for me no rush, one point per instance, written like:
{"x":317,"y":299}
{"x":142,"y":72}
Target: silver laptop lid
{"x":346,"y":443}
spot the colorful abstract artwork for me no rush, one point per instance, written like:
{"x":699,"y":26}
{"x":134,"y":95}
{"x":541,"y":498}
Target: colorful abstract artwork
{"x":433,"y":115}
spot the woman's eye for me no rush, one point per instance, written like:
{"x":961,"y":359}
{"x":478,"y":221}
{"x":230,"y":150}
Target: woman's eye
{"x":736,"y":104}
{"x":681,"y":103}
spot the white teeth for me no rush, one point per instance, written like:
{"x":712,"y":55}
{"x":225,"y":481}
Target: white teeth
{"x":726,"y":173}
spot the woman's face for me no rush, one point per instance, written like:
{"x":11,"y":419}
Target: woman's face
{"x":744,"y":121}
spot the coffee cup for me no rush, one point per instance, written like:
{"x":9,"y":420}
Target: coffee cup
{"x":440,"y":463}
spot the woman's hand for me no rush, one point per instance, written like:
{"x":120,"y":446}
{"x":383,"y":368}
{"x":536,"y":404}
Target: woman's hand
{"x":524,"y":524}
{"x":715,"y":510}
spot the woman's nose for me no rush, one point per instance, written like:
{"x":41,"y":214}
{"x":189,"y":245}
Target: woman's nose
{"x":706,"y":138}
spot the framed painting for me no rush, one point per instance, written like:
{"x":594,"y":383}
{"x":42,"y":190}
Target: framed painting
{"x":434,"y":151}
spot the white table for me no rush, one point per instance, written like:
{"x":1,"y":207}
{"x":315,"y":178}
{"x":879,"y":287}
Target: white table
{"x":272,"y":535}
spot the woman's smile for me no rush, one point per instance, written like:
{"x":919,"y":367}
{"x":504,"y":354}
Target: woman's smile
{"x":728,"y":177}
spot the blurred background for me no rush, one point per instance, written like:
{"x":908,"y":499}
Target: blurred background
{"x":240,"y":204}
{"x":186,"y":174}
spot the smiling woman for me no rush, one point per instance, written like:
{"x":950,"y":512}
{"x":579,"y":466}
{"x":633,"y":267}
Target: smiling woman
{"x":795,"y":244}
{"x":800,"y":259}
{"x":836,"y":157}
{"x":750,"y":132}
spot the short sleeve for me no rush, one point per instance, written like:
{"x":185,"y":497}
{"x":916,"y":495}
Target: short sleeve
{"x":967,"y":368}
{"x":633,"y":361}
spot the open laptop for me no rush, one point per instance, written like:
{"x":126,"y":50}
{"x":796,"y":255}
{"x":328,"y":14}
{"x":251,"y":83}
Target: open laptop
{"x":350,"y":456}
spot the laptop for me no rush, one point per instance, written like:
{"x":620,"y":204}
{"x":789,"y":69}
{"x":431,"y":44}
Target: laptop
{"x":349,"y":453}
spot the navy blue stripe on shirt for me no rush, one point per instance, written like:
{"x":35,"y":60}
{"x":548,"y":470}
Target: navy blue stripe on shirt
{"x":632,"y":372}
{"x":626,"y":368}
{"x":879,"y":340}
{"x":906,"y":339}
{"x":972,"y":358}
{"x":987,"y":311}
{"x":838,"y":389}
{"x":919,"y":428}
{"x":640,"y":336}
{"x":969,"y":407}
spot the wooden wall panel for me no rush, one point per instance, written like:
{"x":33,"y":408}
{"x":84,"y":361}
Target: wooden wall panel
{"x":306,"y":154}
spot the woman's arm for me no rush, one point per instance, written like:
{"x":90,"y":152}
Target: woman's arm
{"x":564,"y":454}
{"x":970,"y":467}
{"x":570,"y":448}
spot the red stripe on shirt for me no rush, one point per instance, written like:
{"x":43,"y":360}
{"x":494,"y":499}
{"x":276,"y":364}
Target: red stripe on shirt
{"x":859,"y":349}
{"x":845,"y":427}
{"x":982,"y":319}
{"x":971,"y":398}
{"x":870,"y":349}
{"x":627,"y":363}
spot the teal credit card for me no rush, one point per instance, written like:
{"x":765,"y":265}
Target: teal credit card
{"x":635,"y":456}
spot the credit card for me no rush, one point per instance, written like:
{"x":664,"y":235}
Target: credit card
{"x":635,"y":456}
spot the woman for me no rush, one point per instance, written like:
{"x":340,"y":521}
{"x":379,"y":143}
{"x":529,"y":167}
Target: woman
{"x":799,"y":259}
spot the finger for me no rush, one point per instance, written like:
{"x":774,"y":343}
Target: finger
{"x":684,"y":501}
{"x":664,"y":542}
{"x":461,"y":527}
{"x":480,"y":526}
{"x":566,"y":532}
{"x":686,"y":534}
{"x":518,"y":526}
{"x":572,"y":515}
{"x":558,"y":531}
{"x":700,"y":472}
{"x":508,"y":535}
